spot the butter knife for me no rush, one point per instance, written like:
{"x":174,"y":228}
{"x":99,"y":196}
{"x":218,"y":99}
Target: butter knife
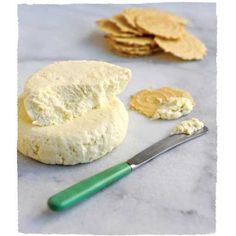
{"x":88,"y":187}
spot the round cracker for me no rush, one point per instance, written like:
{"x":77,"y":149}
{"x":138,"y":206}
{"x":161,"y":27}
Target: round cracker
{"x":122,"y":24}
{"x":178,"y":19}
{"x":128,"y":49}
{"x":188,"y":47}
{"x":110,"y":28}
{"x":135,"y":53}
{"x":160,"y":25}
{"x":131,"y":14}
{"x":140,"y":41}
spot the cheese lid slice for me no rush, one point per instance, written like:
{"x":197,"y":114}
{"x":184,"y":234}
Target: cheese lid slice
{"x":65,"y":90}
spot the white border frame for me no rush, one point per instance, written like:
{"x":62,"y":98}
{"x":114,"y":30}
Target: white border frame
{"x":226,"y":193}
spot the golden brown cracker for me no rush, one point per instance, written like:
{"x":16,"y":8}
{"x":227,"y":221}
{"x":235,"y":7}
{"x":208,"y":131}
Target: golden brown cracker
{"x":160,"y":26}
{"x":140,"y":41}
{"x":178,"y":19}
{"x":136,"y":53}
{"x":122,"y":24}
{"x":111,"y":29}
{"x":128,"y":49}
{"x":188,"y":47}
{"x":134,"y":28}
{"x":131,"y":14}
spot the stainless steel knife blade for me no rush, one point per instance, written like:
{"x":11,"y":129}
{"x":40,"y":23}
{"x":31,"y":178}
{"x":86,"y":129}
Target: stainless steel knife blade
{"x":162,"y":146}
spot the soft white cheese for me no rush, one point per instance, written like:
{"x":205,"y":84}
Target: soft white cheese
{"x":83,"y":139}
{"x":65,"y":90}
{"x":174,"y":108}
{"x":188,"y":126}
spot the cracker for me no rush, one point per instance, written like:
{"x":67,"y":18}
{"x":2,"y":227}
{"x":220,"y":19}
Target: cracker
{"x":136,"y":53}
{"x":133,"y":28}
{"x":178,"y":19}
{"x":147,"y":101}
{"x":132,"y":54}
{"x":188,"y":47}
{"x":128,"y":49}
{"x":140,"y":41}
{"x":131,"y":14}
{"x":122,"y":24}
{"x":160,"y":25}
{"x":110,"y":28}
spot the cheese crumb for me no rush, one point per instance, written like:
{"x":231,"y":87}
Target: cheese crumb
{"x":188,"y":126}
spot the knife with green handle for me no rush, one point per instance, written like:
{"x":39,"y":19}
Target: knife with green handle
{"x":88,"y":187}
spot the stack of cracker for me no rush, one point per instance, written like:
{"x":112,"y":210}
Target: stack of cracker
{"x":145,"y":31}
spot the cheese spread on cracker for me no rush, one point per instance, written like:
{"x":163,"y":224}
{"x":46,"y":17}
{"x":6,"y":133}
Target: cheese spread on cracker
{"x":164,"y":103}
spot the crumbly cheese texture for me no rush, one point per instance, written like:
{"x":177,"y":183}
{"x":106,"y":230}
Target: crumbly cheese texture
{"x":173,"y":109}
{"x":188,"y":126}
{"x":65,"y":90}
{"x":165,"y":103}
{"x":81,"y":140}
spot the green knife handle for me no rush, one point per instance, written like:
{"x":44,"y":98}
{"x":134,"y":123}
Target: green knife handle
{"x":88,"y":187}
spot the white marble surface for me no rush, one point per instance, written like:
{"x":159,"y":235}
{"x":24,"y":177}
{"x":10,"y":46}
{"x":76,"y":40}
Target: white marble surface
{"x":174,"y":194}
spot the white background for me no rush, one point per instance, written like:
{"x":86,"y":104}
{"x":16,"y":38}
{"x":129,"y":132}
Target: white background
{"x":226,"y":196}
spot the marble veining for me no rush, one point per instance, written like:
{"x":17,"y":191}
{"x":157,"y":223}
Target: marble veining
{"x":171,"y":195}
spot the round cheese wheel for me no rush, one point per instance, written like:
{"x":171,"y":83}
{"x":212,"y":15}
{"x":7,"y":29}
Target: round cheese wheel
{"x":83,"y":139}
